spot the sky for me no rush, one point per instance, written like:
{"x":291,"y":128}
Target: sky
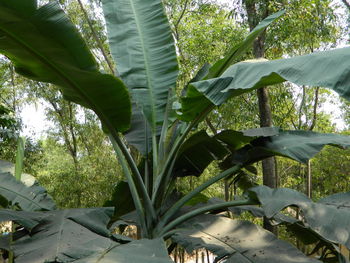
{"x":35,"y":123}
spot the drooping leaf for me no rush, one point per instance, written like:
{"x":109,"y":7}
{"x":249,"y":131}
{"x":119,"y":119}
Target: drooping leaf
{"x":26,"y":219}
{"x":233,"y":139}
{"x":220,"y":66}
{"x":197,"y":153}
{"x":65,"y":236}
{"x":236,"y":241}
{"x":329,"y":217}
{"x":293,"y":225}
{"x":297,"y":145}
{"x":121,"y":200}
{"x":200,"y":149}
{"x":236,"y":139}
{"x":143,"y":48}
{"x":200,"y":75}
{"x":143,"y":250}
{"x":244,"y":181}
{"x":189,"y":106}
{"x":327,"y":69}
{"x":28,"y":198}
{"x":45,"y":46}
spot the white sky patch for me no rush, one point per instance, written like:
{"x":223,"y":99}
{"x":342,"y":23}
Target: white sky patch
{"x":34,"y":121}
{"x":331,"y":107}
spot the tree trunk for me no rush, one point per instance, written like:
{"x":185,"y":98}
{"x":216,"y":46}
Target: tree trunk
{"x":269,"y":170}
{"x":175,"y":254}
{"x":309,"y":180}
{"x":208,"y":257}
{"x":227,"y":190}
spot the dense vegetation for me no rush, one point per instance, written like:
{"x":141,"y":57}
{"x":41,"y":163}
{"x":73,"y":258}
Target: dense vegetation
{"x":155,"y":107}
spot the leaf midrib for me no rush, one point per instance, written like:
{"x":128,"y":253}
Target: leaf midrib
{"x":236,"y":251}
{"x":24,"y":197}
{"x":147,"y":66}
{"x":60,"y":232}
{"x":59,"y":72}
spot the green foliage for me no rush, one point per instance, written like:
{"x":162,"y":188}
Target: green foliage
{"x":60,"y":56}
{"x":189,"y":19}
{"x":143,"y":250}
{"x":88,"y":185}
{"x":28,"y":198}
{"x":58,"y":234}
{"x":8,"y":123}
{"x":247,"y":76}
{"x":44,"y":45}
{"x":236,"y":241}
{"x":327,"y":217}
{"x":307,"y":26}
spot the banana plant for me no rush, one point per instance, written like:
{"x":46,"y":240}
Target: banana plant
{"x":139,"y":108}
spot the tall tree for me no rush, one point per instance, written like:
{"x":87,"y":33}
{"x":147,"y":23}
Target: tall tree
{"x":257,"y":11}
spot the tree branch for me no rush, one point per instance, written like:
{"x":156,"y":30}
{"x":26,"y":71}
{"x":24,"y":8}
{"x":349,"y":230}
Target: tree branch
{"x":314,"y":119}
{"x":98,"y":41}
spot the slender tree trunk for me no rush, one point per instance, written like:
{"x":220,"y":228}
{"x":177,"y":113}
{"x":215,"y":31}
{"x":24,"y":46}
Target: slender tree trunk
{"x":268,"y":165}
{"x":208,"y":256}
{"x":312,"y":126}
{"x":175,"y":254}
{"x":182,"y":256}
{"x":309,"y":180}
{"x":227,"y":190}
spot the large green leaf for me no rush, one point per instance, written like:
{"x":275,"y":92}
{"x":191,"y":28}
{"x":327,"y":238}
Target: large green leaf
{"x":139,"y":135}
{"x":236,"y":139}
{"x":142,"y":46}
{"x":65,"y":236}
{"x":45,"y":46}
{"x":121,"y":200}
{"x":200,"y":149}
{"x":197,"y":153}
{"x":296,"y":228}
{"x":327,"y":69}
{"x":28,"y":198}
{"x":220,"y":66}
{"x":26,"y":219}
{"x":189,"y":106}
{"x":143,"y":250}
{"x":236,"y":241}
{"x":293,"y":225}
{"x":297,"y":145}
{"x":329,"y":217}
